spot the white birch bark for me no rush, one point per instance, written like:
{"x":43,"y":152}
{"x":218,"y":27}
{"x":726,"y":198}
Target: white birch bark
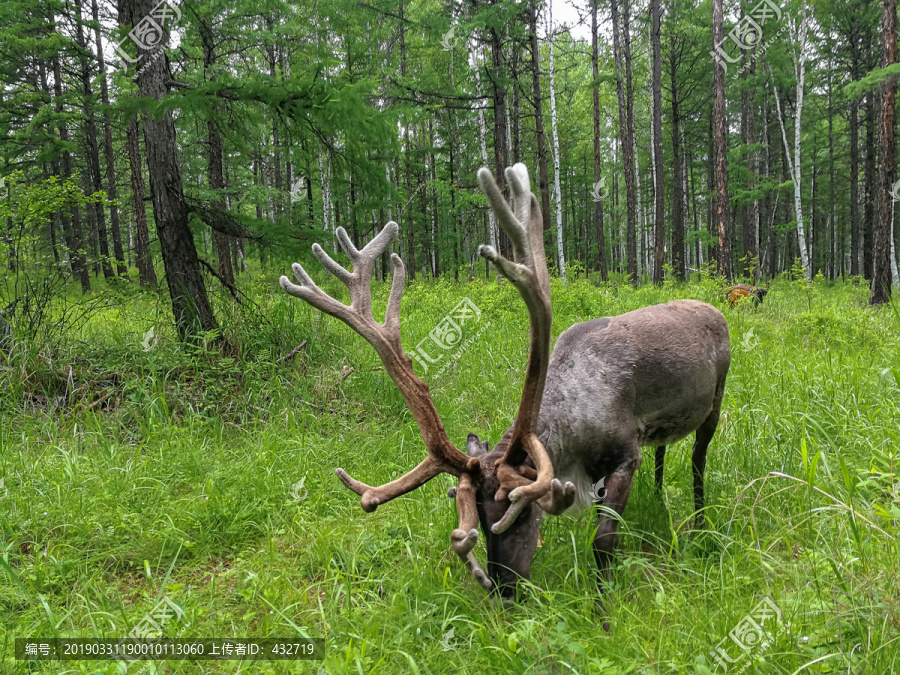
{"x":557,"y":191}
{"x":640,"y":212}
{"x":895,"y":279}
{"x":482,"y":134}
{"x":327,"y":224}
{"x":794,"y":166}
{"x":390,"y":204}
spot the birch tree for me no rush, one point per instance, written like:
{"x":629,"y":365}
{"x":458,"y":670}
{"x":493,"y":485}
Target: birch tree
{"x":794,"y":167}
{"x":624,"y":94}
{"x":557,"y":192}
{"x":482,"y":137}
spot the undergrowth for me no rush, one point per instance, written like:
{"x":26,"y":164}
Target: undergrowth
{"x":134,"y":467}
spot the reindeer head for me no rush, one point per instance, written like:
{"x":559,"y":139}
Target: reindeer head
{"x":503,"y":489}
{"x":511,"y":552}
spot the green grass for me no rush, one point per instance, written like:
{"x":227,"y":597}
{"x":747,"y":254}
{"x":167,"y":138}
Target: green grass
{"x":173,"y":472}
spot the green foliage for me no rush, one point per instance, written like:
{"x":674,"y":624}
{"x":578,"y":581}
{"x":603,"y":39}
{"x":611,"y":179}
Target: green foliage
{"x":204,"y":473}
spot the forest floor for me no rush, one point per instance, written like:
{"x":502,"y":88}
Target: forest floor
{"x":138,"y":470}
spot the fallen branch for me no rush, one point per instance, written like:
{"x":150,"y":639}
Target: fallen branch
{"x":100,"y":401}
{"x":291,"y":354}
{"x":324,"y":408}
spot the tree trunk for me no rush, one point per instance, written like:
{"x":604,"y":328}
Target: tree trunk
{"x":881,"y":279}
{"x":111,"y":188}
{"x":749,"y":210}
{"x":557,"y":196}
{"x":658,"y":185}
{"x":405,"y":212}
{"x":870,"y":177}
{"x":217,"y":183}
{"x":190,"y":305}
{"x":598,"y":186}
{"x":482,"y":137}
{"x":543,"y":180}
{"x":435,"y":236}
{"x":678,"y":194}
{"x":721,"y":150}
{"x":498,"y":87}
{"x":711,"y":251}
{"x":93,"y":153}
{"x":72,"y":233}
{"x":626,"y":113}
{"x":795,"y":165}
{"x":216,"y":168}
{"x":836,"y":265}
{"x":144,"y":261}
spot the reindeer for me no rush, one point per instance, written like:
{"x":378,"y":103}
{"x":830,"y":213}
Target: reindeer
{"x":612,"y":385}
{"x":735,"y":294}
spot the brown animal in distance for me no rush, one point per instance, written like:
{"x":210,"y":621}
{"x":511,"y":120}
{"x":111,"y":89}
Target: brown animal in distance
{"x":738,"y":291}
{"x":612,"y":385}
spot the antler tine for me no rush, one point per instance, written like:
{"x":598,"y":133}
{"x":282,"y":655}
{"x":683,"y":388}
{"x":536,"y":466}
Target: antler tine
{"x":464,"y":538}
{"x":529,"y":275}
{"x":443,"y":456}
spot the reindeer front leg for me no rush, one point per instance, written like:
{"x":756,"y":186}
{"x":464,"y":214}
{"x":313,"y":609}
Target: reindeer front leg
{"x":618,"y":489}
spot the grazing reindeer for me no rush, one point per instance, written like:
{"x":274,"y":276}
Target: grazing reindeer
{"x":738,"y":291}
{"x":612,"y":385}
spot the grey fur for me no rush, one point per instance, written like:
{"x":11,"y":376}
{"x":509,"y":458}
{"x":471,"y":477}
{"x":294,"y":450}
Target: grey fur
{"x":646,"y":378}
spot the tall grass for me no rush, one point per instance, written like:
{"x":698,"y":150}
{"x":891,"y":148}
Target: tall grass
{"x":204,"y":474}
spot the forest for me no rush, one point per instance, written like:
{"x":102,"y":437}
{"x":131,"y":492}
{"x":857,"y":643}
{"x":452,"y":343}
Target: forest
{"x":171,"y":419}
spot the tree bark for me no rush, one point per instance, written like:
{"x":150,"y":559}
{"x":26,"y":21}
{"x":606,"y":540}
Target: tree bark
{"x":543,"y":180}
{"x":678,"y":257}
{"x":143,"y":259}
{"x":881,"y":278}
{"x":854,"y":188}
{"x":497,"y":76}
{"x":217,"y":183}
{"x":216,"y":168}
{"x":72,"y":232}
{"x":111,"y":188}
{"x":721,"y":150}
{"x":560,"y":247}
{"x":93,"y":153}
{"x":190,"y":304}
{"x":482,"y":137}
{"x":658,"y":185}
{"x":597,"y":192}
{"x":406,"y":213}
{"x":870,"y":177}
{"x":626,"y":112}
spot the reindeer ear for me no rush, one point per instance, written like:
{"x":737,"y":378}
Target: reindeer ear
{"x":475,"y":447}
